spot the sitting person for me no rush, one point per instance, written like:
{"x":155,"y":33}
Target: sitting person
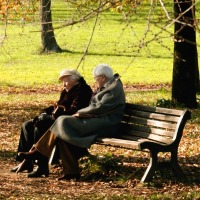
{"x":74,"y":134}
{"x":75,"y":95}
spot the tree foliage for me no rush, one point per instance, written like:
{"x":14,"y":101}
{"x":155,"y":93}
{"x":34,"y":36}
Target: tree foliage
{"x":17,"y":9}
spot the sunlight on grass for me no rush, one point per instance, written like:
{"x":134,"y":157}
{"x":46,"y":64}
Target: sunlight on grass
{"x":30,"y":98}
{"x":147,"y":97}
{"x":113,"y":43}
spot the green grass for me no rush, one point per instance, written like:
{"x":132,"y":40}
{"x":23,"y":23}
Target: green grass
{"x":113,"y":43}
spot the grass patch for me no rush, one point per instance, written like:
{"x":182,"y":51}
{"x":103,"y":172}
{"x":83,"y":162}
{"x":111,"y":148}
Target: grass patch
{"x":113,"y":43}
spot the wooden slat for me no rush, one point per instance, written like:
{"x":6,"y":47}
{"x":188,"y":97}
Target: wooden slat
{"x":151,"y":115}
{"x":140,"y":140}
{"x":119,"y":143}
{"x":154,"y":109}
{"x":153,"y":137}
{"x":150,"y":122}
{"x":147,"y":129}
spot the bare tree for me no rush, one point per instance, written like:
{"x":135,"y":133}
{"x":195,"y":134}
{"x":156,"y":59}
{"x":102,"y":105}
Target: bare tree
{"x":47,"y":32}
{"x":185,"y":70}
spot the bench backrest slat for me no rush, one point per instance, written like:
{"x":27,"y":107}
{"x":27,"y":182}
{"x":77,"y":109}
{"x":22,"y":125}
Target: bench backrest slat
{"x":154,"y":109}
{"x":149,"y":136}
{"x":140,"y":139}
{"x":149,"y":130}
{"x":152,"y":123}
{"x":150,"y":115}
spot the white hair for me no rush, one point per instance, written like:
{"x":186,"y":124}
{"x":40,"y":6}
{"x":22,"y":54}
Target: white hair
{"x":103,"y":69}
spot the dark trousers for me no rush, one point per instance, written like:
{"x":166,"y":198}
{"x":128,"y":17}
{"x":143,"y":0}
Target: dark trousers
{"x":30,"y":134}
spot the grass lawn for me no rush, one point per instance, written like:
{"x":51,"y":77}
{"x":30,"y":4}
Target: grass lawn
{"x":114,"y":42}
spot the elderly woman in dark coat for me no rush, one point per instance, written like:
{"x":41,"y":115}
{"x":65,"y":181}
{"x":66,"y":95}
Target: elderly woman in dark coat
{"x":75,"y":95}
{"x":74,"y":134}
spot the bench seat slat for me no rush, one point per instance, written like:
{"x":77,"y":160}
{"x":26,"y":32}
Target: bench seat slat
{"x":140,"y":140}
{"x":118,"y":142}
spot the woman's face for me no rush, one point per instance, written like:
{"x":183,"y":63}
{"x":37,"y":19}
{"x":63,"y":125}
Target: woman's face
{"x":68,"y":82}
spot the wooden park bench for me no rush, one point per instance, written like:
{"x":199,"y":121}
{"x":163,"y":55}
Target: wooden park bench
{"x":154,"y":129}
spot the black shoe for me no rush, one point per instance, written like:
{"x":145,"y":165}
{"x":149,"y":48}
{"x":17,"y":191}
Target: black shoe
{"x":27,"y":166}
{"x":14,"y":169}
{"x":39,"y":173}
{"x":69,"y":177}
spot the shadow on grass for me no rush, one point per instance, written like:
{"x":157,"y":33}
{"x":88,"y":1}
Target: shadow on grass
{"x":125,"y":54}
{"x":119,"y":168}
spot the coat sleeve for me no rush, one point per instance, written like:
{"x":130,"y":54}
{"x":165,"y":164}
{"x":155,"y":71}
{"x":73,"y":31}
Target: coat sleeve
{"x":81,"y":100}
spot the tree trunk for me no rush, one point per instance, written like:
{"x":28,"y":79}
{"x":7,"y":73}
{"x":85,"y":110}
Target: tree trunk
{"x":185,"y":69}
{"x":47,"y":34}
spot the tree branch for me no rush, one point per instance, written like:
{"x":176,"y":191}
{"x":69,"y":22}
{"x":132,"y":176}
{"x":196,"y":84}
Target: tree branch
{"x":89,"y":42}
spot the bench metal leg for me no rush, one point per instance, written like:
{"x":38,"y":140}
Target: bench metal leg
{"x":153,"y":165}
{"x":175,"y":166}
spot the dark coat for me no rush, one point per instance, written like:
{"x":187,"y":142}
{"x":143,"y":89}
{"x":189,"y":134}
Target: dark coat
{"x":101,"y":118}
{"x":73,"y":100}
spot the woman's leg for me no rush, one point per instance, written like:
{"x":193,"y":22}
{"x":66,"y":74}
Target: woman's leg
{"x":41,"y":152}
{"x":26,"y":140}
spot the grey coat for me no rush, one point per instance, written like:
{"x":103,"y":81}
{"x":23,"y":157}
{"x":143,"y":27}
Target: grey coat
{"x":100,"y":118}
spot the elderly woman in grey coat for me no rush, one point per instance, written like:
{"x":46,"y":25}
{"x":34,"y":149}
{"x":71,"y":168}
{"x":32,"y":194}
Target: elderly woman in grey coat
{"x":74,"y":134}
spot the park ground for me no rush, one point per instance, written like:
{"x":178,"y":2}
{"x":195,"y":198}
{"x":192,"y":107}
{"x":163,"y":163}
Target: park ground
{"x":109,"y":173}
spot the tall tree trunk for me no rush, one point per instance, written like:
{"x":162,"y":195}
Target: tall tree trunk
{"x":47,"y":34}
{"x":185,"y":69}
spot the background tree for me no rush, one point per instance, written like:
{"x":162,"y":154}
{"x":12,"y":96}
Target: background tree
{"x":185,"y":70}
{"x":47,"y":33}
